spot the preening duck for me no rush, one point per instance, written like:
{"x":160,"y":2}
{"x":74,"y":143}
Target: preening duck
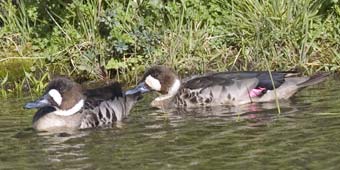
{"x":222,"y":88}
{"x":65,"y":105}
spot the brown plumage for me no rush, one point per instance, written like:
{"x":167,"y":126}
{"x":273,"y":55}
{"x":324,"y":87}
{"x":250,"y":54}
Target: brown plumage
{"x":65,"y":105}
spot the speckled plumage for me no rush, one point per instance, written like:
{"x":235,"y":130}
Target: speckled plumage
{"x":226,"y":88}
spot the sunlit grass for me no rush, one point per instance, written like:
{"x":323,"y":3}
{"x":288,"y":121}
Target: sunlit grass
{"x":100,"y":40}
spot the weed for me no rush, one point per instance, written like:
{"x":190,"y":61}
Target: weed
{"x":100,"y":40}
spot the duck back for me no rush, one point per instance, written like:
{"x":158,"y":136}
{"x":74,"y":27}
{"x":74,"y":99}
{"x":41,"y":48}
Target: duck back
{"x":227,"y":92}
{"x":106,"y":105}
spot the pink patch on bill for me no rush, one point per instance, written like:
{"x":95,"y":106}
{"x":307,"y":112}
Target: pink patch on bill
{"x":257,"y":92}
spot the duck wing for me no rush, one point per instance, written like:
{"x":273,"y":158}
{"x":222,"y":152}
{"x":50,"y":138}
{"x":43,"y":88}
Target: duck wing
{"x":216,"y":89}
{"x":98,"y":95}
{"x":228,"y":77}
{"x":106,"y":105}
{"x":231,"y":88}
{"x":235,"y":88}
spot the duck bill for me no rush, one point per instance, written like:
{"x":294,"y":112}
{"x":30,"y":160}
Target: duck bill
{"x":140,"y":88}
{"x":42,"y":102}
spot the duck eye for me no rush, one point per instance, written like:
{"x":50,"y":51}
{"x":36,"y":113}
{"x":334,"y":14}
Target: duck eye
{"x":153,"y":83}
{"x":154,"y":74}
{"x":56,"y":96}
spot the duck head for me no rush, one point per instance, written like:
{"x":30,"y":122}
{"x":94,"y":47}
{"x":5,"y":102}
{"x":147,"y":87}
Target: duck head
{"x":161,"y":79}
{"x":62,"y":94}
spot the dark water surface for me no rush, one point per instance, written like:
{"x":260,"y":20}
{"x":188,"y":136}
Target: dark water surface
{"x":306,"y":135}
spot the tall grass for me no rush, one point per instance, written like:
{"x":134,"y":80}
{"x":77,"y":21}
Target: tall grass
{"x":287,"y":33}
{"x":101,"y":40}
{"x":16,"y":19}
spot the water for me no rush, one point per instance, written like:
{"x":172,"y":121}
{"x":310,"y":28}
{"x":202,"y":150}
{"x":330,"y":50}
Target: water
{"x":304,"y":136}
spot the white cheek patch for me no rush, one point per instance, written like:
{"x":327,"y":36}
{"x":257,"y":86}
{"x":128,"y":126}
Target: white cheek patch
{"x":153,"y":83}
{"x":56,"y":96}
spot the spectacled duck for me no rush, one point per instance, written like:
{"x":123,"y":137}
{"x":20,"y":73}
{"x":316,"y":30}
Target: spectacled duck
{"x":66,"y":105}
{"x":222,"y":88}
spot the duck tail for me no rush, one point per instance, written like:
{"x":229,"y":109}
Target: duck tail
{"x":315,"y":79}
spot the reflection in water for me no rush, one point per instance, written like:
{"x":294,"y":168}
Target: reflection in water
{"x":256,"y":114}
{"x":304,"y":136}
{"x":58,"y":147}
{"x":53,"y":150}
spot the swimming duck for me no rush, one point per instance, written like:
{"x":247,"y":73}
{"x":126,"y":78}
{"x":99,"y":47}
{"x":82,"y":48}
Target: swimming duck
{"x":222,"y":88}
{"x":65,"y":105}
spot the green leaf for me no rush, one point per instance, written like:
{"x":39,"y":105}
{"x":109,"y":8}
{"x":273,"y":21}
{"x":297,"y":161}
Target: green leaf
{"x":4,"y":80}
{"x":115,"y":64}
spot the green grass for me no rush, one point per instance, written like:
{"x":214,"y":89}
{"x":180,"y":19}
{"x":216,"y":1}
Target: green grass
{"x":100,"y":40}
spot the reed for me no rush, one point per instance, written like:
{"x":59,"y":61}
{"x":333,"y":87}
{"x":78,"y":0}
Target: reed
{"x":101,"y":40}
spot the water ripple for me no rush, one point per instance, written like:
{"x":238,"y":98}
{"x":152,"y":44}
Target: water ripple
{"x":304,"y":136}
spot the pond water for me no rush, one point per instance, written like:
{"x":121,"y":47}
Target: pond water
{"x":304,"y":136}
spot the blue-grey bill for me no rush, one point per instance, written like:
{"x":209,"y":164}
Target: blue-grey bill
{"x":140,"y":88}
{"x":37,"y":104}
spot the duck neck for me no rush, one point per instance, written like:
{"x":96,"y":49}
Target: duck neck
{"x":173,"y":90}
{"x":76,"y":108}
{"x":167,"y":99}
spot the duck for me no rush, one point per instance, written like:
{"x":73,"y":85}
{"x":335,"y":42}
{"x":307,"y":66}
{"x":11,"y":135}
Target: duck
{"x":65,"y":105}
{"x":221,"y":88}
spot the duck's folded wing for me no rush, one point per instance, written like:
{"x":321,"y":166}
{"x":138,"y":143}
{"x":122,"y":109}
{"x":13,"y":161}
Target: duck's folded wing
{"x":263,"y":77}
{"x":97,"y":95}
{"x":206,"y":81}
{"x":216,"y":90}
{"x":105,"y":113}
{"x":225,"y":78}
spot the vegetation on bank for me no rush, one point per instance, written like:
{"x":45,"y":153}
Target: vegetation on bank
{"x":102,"y":39}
